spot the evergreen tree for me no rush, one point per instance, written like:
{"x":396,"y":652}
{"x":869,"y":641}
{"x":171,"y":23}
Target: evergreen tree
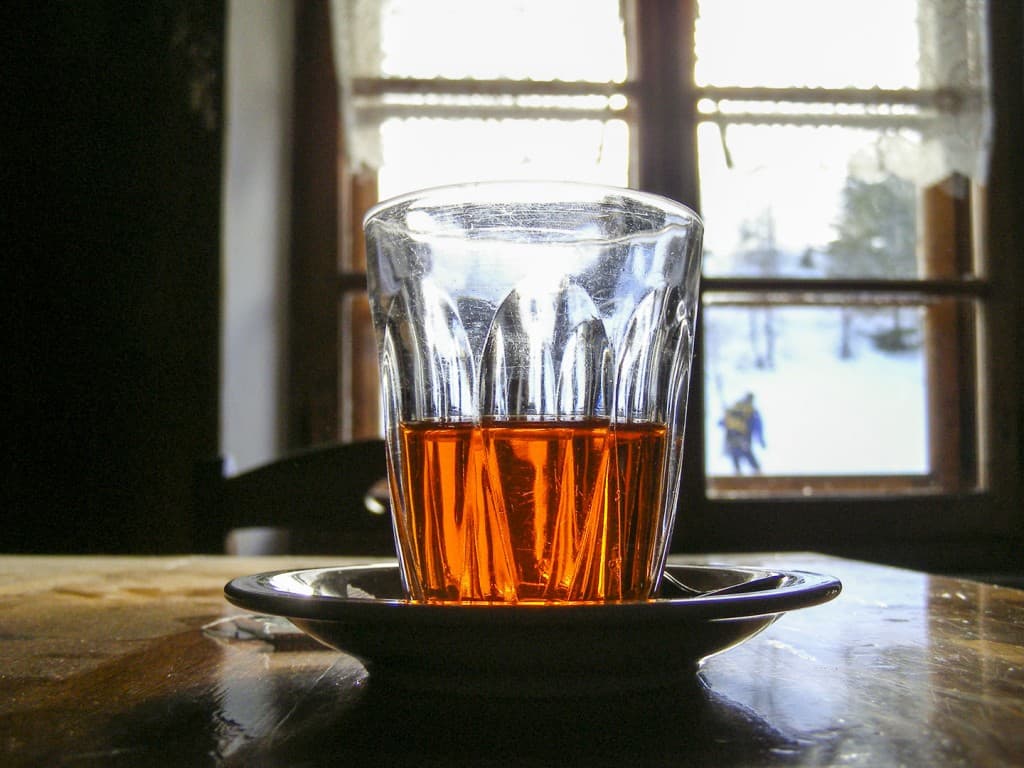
{"x":877,"y":238}
{"x":877,"y":229}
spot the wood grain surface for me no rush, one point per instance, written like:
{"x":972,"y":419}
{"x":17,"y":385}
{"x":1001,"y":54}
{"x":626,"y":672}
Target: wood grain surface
{"x":140,"y":661}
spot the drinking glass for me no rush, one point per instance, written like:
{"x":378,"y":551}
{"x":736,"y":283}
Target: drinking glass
{"x":535,"y":342}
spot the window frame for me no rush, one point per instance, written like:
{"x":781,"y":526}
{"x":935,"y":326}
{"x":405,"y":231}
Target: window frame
{"x":926,"y":529}
{"x":969,"y":527}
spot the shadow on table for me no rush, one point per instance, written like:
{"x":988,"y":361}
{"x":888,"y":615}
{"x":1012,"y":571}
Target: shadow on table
{"x":285,"y":701}
{"x":381,"y":724}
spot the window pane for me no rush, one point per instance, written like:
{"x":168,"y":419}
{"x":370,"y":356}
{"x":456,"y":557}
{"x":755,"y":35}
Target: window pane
{"x":419,"y":153}
{"x":841,"y":390}
{"x":808,"y":43}
{"x":803,"y":201}
{"x":527,"y":39}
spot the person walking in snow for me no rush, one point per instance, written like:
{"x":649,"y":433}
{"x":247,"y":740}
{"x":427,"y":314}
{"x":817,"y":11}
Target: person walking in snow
{"x":743,"y":426}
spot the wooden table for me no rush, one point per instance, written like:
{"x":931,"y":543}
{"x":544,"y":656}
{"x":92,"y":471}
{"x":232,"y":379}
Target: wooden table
{"x":139,"y":661}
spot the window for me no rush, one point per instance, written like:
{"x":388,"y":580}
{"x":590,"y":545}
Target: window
{"x":851,"y":267}
{"x":829,"y":296}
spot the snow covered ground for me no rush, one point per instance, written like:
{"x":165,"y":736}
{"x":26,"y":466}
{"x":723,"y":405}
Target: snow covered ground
{"x":823,"y":415}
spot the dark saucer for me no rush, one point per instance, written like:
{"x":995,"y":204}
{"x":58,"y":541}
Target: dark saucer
{"x":533,"y":650}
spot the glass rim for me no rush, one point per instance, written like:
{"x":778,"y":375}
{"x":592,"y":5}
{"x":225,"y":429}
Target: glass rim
{"x":538,"y":192}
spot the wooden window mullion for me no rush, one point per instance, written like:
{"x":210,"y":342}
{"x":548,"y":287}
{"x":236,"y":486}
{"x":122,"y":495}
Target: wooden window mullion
{"x":944,"y":243}
{"x":359,"y":412}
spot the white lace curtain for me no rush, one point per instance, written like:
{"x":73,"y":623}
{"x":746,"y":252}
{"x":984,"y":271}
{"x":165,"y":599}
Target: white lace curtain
{"x":357,"y":54}
{"x":950,"y":132}
{"x":953,"y":65}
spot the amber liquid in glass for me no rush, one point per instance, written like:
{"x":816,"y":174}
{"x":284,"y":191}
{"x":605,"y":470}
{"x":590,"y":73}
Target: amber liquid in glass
{"x":531,"y":511}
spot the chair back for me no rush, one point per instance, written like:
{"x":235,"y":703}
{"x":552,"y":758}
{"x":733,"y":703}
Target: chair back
{"x":325,"y":500}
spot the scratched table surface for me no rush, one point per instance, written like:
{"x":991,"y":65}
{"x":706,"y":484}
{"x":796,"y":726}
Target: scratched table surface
{"x":140,"y":661}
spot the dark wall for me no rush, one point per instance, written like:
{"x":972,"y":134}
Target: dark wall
{"x":113,"y":173}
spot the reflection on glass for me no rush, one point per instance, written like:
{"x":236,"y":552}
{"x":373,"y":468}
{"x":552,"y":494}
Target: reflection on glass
{"x":815,"y":390}
{"x":804,"y":202}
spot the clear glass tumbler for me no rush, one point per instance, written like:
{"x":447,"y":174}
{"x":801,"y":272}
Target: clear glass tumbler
{"x":535,"y":342}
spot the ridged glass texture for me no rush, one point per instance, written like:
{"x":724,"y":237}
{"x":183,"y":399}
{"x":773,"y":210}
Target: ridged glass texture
{"x":535,"y":344}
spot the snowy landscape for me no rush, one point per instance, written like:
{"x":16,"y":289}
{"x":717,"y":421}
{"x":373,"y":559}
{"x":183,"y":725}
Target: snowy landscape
{"x":835,"y":398}
{"x":823,"y":415}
